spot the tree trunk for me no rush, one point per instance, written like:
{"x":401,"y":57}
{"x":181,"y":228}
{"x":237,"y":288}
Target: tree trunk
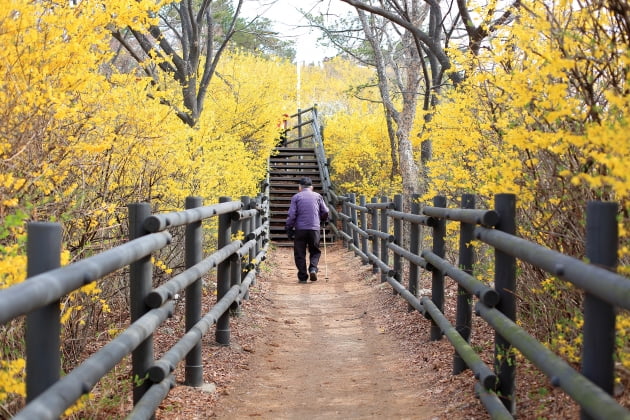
{"x":403,"y":119}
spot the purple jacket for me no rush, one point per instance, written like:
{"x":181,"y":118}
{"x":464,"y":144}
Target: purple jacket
{"x":307,"y":210}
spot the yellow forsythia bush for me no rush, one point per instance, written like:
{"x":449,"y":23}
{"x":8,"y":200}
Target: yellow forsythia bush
{"x":543,"y":113}
{"x":80,"y":139}
{"x":525,"y":121}
{"x":355,"y":132}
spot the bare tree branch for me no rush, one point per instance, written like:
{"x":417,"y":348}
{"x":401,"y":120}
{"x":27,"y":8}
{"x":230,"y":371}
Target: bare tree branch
{"x":197,"y":51}
{"x":397,"y":19}
{"x":476,"y":34}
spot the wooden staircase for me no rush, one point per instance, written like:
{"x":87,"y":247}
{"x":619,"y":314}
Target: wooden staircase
{"x":286,"y":166}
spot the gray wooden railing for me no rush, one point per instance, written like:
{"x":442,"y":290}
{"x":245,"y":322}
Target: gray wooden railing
{"x":235,"y":261}
{"x":374,"y":231}
{"x":366,"y":228}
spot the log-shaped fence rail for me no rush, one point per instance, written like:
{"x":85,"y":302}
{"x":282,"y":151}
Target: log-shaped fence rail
{"x":235,"y":261}
{"x":374,"y":231}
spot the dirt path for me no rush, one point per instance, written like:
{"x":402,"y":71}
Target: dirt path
{"x":346,"y":348}
{"x":323,"y":354}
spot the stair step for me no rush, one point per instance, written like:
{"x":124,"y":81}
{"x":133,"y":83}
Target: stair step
{"x":277,"y":168}
{"x":288,"y":178}
{"x":294,"y":160}
{"x":305,"y":167}
{"x":279,"y":198}
{"x":310,"y":158}
{"x":293,"y":173}
{"x":287,"y":166}
{"x":283,"y":202}
{"x":291,"y":187}
{"x":278,"y":222}
{"x":291,"y":182}
{"x":287,"y":194}
{"x":289,"y":157}
{"x":293,"y":156}
{"x":295,"y":150}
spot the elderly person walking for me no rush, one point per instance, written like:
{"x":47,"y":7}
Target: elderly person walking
{"x":306,"y":213}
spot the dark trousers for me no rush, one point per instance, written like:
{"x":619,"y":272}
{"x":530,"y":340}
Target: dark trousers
{"x":306,"y":239}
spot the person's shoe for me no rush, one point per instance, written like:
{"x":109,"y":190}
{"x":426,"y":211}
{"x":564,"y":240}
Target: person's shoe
{"x":313,"y":275}
{"x":302,"y":281}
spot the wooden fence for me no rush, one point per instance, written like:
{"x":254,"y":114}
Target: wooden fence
{"x":236,"y":262}
{"x":374,"y":231}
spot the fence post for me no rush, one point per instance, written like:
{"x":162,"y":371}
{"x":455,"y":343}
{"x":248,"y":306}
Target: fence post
{"x":222,"y":333}
{"x":299,"y":117}
{"x":353,"y":218}
{"x":385,"y":229}
{"x":247,"y":226}
{"x":252,"y":225}
{"x":236,"y":262}
{"x":375,"y":239}
{"x":464,"y":298}
{"x":43,"y":358}
{"x":437,"y":277}
{"x":599,"y":317}
{"x":505,"y":285}
{"x":262,"y":217}
{"x":414,"y":248}
{"x":140,"y":285}
{"x":344,"y":222}
{"x":398,"y":235}
{"x":364,"y":226}
{"x":257,"y":222}
{"x":193,"y":255}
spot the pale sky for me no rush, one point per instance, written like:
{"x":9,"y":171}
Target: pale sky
{"x":290,"y":23}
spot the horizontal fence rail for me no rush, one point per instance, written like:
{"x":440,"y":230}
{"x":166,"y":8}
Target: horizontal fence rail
{"x":235,"y":261}
{"x":366,"y":229}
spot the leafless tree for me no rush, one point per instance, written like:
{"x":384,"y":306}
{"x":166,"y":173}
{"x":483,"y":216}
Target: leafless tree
{"x":426,"y":27}
{"x":187,"y":44}
{"x":411,"y":69}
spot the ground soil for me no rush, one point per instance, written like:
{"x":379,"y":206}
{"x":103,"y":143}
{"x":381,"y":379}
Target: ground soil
{"x":324,"y":353}
{"x":343,"y":347}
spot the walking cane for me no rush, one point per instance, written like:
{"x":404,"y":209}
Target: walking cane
{"x":325,"y":257}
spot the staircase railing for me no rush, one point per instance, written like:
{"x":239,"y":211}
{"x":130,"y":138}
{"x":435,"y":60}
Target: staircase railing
{"x":322,"y":161}
{"x":306,"y":130}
